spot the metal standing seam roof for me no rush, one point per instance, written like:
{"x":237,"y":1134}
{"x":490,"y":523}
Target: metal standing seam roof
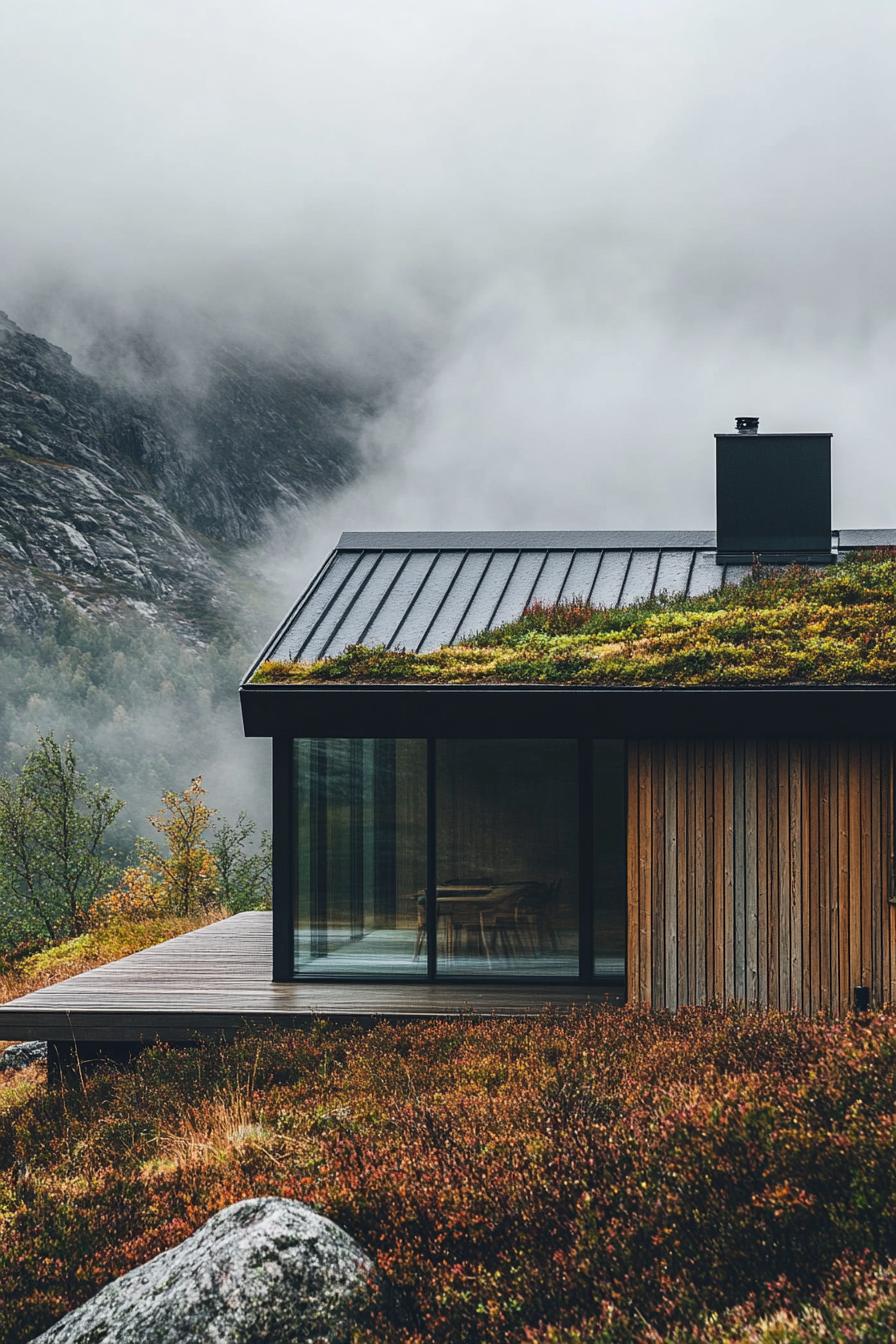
{"x":423,"y":590}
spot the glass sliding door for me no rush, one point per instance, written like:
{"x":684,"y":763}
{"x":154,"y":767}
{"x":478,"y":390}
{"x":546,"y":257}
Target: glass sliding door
{"x":360,"y":857}
{"x":610,"y":896}
{"x":507,"y":879}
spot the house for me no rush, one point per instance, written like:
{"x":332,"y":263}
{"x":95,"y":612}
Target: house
{"x":677,"y":843}
{"x":499,"y":783}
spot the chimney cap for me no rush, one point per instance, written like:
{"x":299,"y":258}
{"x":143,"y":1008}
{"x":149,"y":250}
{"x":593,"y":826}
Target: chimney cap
{"x":747,"y":424}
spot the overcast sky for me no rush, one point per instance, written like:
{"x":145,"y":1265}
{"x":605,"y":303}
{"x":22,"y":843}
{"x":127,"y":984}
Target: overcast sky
{"x":575,"y":239}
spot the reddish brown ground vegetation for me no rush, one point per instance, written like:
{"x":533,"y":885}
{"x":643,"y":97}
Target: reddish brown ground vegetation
{"x":607,"y":1176}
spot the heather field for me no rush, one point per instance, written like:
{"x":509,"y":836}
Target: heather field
{"x":608,"y":1176}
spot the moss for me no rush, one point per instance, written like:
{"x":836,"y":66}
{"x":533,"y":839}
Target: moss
{"x":792,"y":626}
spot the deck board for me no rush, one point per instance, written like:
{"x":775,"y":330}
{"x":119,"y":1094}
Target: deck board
{"x":218,"y":980}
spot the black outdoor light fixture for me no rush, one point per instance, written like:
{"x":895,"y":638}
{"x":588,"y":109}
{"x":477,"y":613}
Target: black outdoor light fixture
{"x":861,"y":999}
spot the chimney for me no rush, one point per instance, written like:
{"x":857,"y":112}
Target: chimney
{"x":773,"y":496}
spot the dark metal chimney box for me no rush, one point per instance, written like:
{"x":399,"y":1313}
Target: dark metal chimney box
{"x":773,"y":498}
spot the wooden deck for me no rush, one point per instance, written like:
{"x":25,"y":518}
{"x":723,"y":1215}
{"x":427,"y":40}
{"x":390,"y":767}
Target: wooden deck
{"x":218,"y":980}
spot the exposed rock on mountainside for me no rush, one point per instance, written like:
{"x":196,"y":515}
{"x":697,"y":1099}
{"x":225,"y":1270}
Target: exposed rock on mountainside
{"x":131,"y":496}
{"x":264,"y":1269}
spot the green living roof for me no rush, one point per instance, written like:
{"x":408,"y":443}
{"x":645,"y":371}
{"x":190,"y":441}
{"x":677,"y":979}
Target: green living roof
{"x":826,"y":626}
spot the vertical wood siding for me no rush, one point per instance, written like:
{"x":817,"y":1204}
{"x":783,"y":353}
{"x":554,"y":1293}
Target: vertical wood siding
{"x":761,"y":871}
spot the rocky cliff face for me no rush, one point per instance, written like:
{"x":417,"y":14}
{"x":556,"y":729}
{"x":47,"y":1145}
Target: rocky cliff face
{"x":116,"y":494}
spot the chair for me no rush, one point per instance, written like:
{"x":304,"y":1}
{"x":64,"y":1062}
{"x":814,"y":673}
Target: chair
{"x":421,"y":926}
{"x":534,"y":925}
{"x":498,"y":919}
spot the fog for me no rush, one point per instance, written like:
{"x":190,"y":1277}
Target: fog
{"x":564,"y":243}
{"x":574,"y":239}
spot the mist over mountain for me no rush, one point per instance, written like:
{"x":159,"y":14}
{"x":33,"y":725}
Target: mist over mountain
{"x":141,"y":483}
{"x":400,"y":266}
{"x":135,"y":488}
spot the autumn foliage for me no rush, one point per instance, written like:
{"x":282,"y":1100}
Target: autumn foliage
{"x":181,"y":880}
{"x":592,"y":1178}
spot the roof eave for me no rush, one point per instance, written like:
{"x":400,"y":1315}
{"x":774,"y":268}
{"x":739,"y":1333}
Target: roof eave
{"x":489,"y":710}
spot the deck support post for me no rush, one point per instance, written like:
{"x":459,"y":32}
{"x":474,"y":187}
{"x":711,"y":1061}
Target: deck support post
{"x":69,"y":1061}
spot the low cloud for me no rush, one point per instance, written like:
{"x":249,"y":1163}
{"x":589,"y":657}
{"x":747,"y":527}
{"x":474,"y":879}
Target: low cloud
{"x":559,"y":245}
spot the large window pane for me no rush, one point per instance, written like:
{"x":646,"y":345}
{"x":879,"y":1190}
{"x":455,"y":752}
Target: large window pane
{"x":507,"y":858}
{"x":361,"y":857}
{"x":609,"y":860}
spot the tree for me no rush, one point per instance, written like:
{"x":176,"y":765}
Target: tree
{"x":187,"y":874}
{"x":193,"y":878}
{"x":244,"y":874}
{"x":54,"y":861}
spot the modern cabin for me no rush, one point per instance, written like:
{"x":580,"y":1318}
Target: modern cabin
{"x":521,"y":769}
{"x":670,"y":843}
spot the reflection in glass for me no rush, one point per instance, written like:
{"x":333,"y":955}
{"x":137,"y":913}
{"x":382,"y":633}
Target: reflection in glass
{"x":507,"y":857}
{"x":609,"y":859}
{"x":361,"y":857}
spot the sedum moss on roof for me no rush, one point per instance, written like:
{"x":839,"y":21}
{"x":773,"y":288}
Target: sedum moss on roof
{"x":795,"y":626}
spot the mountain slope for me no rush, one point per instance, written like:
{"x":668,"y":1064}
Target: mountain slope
{"x":119,"y":498}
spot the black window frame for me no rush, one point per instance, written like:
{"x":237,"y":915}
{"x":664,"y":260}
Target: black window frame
{"x":285,"y":875}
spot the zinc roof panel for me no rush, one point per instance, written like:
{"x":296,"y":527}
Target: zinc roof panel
{"x":639,"y":579}
{"x":582,"y":572}
{"x":315,"y":605}
{"x":367,"y":600}
{"x":410,"y":579}
{"x":487,"y":595}
{"x":322,"y":630}
{"x":610,"y":578}
{"x":706,"y":575}
{"x":457,"y":599}
{"x":673,"y":572}
{"x":552,"y":577}
{"x":425,"y":606}
{"x":520,"y":586}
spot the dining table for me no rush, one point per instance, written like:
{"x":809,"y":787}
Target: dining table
{"x":452,"y":900}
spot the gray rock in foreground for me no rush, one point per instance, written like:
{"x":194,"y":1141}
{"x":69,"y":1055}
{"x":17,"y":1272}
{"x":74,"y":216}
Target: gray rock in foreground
{"x":19,"y":1056}
{"x":265,"y":1271}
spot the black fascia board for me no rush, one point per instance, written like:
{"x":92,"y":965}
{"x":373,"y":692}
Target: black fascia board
{"x":555,"y":711}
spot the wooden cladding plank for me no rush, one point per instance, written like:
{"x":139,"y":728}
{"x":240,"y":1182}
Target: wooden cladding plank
{"x":795,"y":780}
{"x":670,"y":829}
{"x":761,"y":818}
{"x":774,"y":877}
{"x":636,"y":876}
{"x":783,"y":815}
{"x":843,"y":874}
{"x":702,"y":933}
{"x":684,"y":799}
{"x":890,"y":799}
{"x":644,"y":969}
{"x":766,"y":868}
{"x":877,"y":870}
{"x":751,"y":876}
{"x":739,"y":840}
{"x":656,"y":765}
